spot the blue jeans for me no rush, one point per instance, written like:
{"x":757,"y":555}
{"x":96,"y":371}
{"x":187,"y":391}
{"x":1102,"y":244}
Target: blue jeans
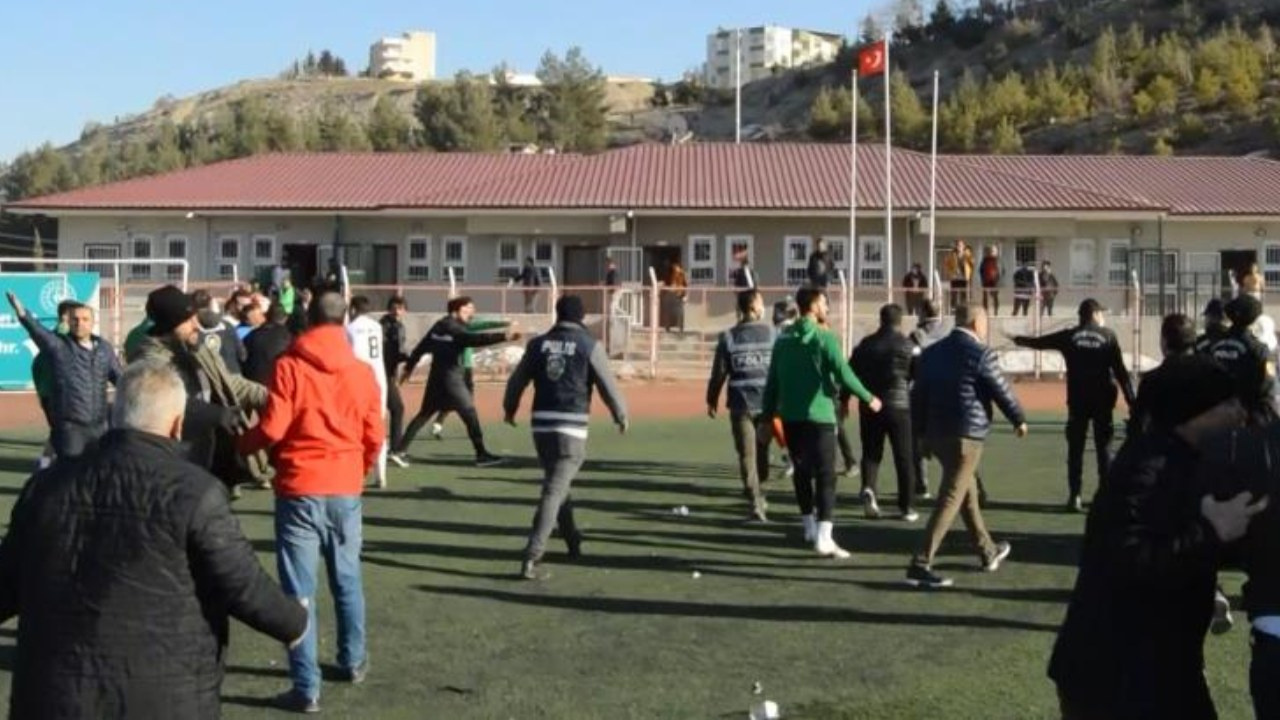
{"x":307,"y":527}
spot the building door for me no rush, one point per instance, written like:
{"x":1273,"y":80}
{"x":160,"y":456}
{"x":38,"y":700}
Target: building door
{"x":1236,"y":264}
{"x":300,"y":260}
{"x":385,"y":258}
{"x":583,"y":267}
{"x":660,"y":258}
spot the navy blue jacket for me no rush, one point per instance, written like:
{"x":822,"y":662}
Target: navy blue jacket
{"x":80,"y":374}
{"x":956,"y":378}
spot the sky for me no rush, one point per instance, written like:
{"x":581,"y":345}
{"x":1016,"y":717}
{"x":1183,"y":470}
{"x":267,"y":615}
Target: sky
{"x":69,"y":62}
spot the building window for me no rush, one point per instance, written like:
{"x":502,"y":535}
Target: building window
{"x":140,"y":248}
{"x":101,"y":252}
{"x":228,"y":257}
{"x":737,"y":248}
{"x":509,"y":259}
{"x":702,"y":259}
{"x":175,"y":249}
{"x":1026,"y":252}
{"x":1083,"y":262}
{"x":796,"y":259}
{"x":1117,"y":263}
{"x":1205,"y":268}
{"x":871,"y":270}
{"x":1271,"y":264}
{"x":543,"y":253}
{"x":838,"y":256}
{"x":418,"y":259}
{"x":455,"y":257}
{"x":264,"y":250}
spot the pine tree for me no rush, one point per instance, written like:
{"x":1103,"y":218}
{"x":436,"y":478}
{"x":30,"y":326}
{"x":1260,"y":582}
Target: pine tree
{"x":1266,"y":45}
{"x":1164,"y":96}
{"x":283,"y":134}
{"x":1162,"y":147}
{"x":249,"y":133}
{"x":1106,"y":84}
{"x":1242,"y":93}
{"x":1208,"y":89}
{"x":870,"y":31}
{"x":910,"y":123}
{"x":942,"y":21}
{"x":338,"y":132}
{"x":166,"y":155}
{"x":389,"y":129}
{"x":1006,"y":140}
{"x":574,"y":93}
{"x":1132,"y":44}
{"x":825,"y":119}
{"x":458,"y":116}
{"x":1008,"y":98}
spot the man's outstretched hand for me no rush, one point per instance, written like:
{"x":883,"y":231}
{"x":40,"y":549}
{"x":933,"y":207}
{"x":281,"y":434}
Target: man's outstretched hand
{"x":14,"y":302}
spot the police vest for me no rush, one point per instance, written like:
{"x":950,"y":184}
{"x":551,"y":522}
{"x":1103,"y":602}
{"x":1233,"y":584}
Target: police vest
{"x":750,"y":348}
{"x":562,"y":380}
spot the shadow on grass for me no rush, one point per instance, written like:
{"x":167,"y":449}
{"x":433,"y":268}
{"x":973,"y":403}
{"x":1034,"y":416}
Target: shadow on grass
{"x":267,"y":672}
{"x":249,"y":701}
{"x":17,"y":465}
{"x":721,"y":611}
{"x":443,"y":526}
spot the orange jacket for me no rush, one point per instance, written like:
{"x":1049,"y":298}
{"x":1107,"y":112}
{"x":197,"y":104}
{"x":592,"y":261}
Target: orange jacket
{"x":323,"y":420}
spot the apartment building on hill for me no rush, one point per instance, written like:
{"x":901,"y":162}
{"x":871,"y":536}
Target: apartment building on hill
{"x":410,"y":57}
{"x":765,"y":49}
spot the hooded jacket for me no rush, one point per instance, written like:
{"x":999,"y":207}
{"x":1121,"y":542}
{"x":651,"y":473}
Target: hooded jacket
{"x":323,"y":420}
{"x":807,"y":373}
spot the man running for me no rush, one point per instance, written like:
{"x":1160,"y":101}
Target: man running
{"x":1095,"y":366}
{"x":446,"y":383}
{"x":806,"y":374}
{"x":742,"y":358}
{"x":365,"y":335}
{"x":393,"y":355}
{"x":564,"y":365}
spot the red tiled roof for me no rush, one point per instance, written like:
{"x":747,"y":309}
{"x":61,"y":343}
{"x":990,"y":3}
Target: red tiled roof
{"x":800,"y":177}
{"x":1182,"y":185}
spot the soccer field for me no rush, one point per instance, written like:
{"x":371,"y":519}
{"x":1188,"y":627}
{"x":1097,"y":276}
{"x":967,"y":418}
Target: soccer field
{"x":670,"y":616}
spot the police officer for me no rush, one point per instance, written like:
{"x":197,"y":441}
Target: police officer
{"x":883,"y":360}
{"x":1215,"y":326}
{"x":1094,"y":368}
{"x":742,"y":359}
{"x":929,"y":330}
{"x":446,"y":387}
{"x":1246,"y":358}
{"x":563,"y":365}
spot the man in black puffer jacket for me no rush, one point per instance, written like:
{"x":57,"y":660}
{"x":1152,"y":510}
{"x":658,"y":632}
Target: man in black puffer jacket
{"x":883,"y":360}
{"x":124,"y":567}
{"x":83,"y":364}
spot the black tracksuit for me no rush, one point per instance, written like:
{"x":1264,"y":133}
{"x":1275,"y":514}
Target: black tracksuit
{"x":1094,"y":368}
{"x":1211,"y":335}
{"x":884,"y":361}
{"x":393,"y":354}
{"x":446,"y":384}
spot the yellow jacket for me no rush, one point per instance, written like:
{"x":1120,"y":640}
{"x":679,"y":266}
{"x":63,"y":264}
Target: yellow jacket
{"x":953,"y":265}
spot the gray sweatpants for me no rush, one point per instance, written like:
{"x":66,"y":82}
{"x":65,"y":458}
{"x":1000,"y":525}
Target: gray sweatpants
{"x":561,"y":456}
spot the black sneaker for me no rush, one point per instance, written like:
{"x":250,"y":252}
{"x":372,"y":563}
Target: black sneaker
{"x":991,"y":563}
{"x":357,"y":674}
{"x":489,"y":460}
{"x":529,"y":570}
{"x":919,"y":576}
{"x":295,"y":702}
{"x":574,"y":544}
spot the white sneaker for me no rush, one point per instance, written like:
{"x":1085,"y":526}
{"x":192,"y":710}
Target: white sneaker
{"x":826,"y":545}
{"x":399,"y":459}
{"x":869,"y":505}
{"x":437,"y":431}
{"x":810,"y":529}
{"x":911,"y":516}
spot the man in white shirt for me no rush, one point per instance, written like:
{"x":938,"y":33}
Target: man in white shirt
{"x":365,"y":335}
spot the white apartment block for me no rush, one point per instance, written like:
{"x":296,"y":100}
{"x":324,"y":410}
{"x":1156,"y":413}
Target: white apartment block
{"x":409,"y":57}
{"x":766,"y":49}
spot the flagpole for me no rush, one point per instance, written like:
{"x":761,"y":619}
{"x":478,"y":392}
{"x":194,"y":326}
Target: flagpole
{"x":933,"y":187}
{"x":888,"y":174}
{"x":852,"y":248}
{"x":737,"y":82}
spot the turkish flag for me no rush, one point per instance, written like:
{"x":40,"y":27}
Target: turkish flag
{"x":871,"y":59}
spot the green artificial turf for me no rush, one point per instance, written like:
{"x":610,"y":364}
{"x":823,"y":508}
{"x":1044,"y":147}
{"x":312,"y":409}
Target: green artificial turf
{"x":631,"y":632}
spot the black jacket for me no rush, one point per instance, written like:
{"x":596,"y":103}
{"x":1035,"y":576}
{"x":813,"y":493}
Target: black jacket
{"x":1246,"y":358}
{"x":394,"y":341}
{"x":445,"y":342}
{"x":1132,"y":644}
{"x":124,"y":567}
{"x":1024,"y":282}
{"x":819,"y":270}
{"x":1094,"y":365}
{"x":1162,"y":390}
{"x":956,"y":379}
{"x":80,"y":374}
{"x":883,"y":360}
{"x":262,"y":347}
{"x":1211,"y":335}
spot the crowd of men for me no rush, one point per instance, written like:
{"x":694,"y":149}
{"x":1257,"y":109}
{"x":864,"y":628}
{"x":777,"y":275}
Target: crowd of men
{"x":212,"y":400}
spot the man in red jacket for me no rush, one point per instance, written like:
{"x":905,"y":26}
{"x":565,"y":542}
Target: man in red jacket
{"x":323,"y":423}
